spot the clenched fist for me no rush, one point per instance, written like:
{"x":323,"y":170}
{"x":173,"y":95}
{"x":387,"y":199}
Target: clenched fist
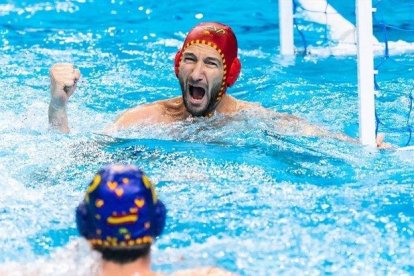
{"x":63,"y":79}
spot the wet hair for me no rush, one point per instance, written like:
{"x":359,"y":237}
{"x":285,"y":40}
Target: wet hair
{"x":124,"y":255}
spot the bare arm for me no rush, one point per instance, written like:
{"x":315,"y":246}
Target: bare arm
{"x":305,"y":128}
{"x":63,"y":79}
{"x":292,"y":125}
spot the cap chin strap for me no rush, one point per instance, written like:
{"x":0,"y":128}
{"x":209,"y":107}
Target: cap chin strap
{"x":212,"y":107}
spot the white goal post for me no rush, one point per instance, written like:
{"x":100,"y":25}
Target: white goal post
{"x":364,"y":40}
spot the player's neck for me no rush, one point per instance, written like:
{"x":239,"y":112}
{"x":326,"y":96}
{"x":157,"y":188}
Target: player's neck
{"x":141,"y":266}
{"x":228,"y":104}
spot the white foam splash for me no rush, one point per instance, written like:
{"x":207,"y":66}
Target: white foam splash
{"x":169,"y":42}
{"x":75,"y":258}
{"x":5,"y":9}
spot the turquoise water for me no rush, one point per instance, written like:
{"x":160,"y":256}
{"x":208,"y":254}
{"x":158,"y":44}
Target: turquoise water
{"x":241,"y":194}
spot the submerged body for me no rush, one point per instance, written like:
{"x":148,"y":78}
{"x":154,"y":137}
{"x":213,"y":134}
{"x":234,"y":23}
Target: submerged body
{"x":173,"y":110}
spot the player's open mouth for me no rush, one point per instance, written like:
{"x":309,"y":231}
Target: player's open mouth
{"x":197,"y":93}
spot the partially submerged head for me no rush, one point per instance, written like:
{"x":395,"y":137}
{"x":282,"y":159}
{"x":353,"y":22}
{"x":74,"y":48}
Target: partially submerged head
{"x":120,"y":214}
{"x":206,"y":65}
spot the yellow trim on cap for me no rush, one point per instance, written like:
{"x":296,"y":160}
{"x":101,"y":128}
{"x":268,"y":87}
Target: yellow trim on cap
{"x":95,"y":183}
{"x":113,"y":242}
{"x":122,"y":220}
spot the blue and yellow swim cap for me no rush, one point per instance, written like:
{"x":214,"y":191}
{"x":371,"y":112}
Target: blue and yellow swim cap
{"x":120,"y":209}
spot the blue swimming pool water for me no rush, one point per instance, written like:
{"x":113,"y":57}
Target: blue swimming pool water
{"x":241,"y":194}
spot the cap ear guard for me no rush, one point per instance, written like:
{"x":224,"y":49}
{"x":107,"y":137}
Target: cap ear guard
{"x":158,"y":221}
{"x":177,"y":62}
{"x":234,"y":72}
{"x":82,"y":221}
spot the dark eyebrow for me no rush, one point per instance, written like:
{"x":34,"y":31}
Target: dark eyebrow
{"x":190,"y":55}
{"x":213,"y":59}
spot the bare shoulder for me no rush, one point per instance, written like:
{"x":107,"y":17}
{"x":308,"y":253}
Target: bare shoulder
{"x":173,"y":103}
{"x":147,"y":113}
{"x":229,"y":104}
{"x":173,"y":109}
{"x":243,"y":105}
{"x":204,"y":271}
{"x":163,"y":111}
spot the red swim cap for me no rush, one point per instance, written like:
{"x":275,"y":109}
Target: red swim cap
{"x":221,"y":38}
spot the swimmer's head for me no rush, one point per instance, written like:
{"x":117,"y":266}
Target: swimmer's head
{"x":214,"y":40}
{"x":120,"y":209}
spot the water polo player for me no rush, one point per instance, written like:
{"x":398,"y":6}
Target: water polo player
{"x":206,"y":66}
